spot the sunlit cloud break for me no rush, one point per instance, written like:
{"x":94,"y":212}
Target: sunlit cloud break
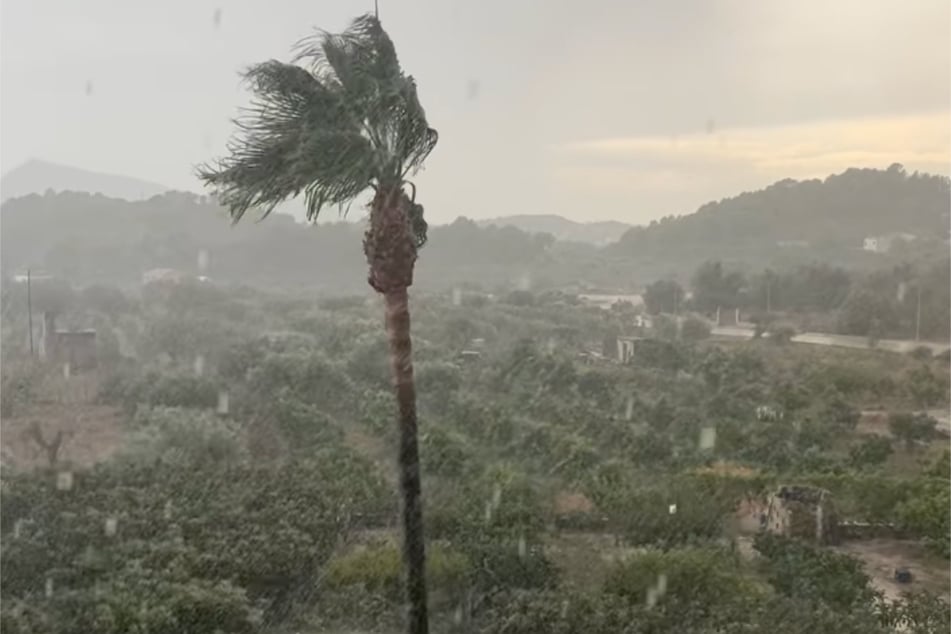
{"x":920,"y":141}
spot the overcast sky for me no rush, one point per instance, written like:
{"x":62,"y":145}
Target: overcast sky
{"x":595,"y":110}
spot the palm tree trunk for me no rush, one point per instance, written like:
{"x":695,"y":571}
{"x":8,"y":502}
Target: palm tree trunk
{"x":401,"y":364}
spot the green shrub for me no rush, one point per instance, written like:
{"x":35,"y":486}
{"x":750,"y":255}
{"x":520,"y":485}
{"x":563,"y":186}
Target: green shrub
{"x":694,"y":329}
{"x":379,"y":568}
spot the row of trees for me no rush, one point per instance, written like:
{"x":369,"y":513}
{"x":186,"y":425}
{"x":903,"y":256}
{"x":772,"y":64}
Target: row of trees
{"x":906,"y":301}
{"x":502,"y":437}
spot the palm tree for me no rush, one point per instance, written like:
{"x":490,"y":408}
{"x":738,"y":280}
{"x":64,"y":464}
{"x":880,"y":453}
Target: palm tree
{"x":340,"y":119}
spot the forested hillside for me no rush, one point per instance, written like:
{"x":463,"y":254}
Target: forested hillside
{"x":789,"y":220}
{"x":92,"y":238}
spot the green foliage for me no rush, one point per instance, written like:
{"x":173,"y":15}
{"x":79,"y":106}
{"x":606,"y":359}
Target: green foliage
{"x":926,"y":514}
{"x":714,"y":288}
{"x":183,"y":437}
{"x":159,"y":389}
{"x":802,"y":571}
{"x":665,"y":327}
{"x":266,"y":529}
{"x":663,"y":514}
{"x":917,"y":613}
{"x":925,"y":388}
{"x":872,"y":451}
{"x":780,"y":333}
{"x":694,"y":329}
{"x":350,"y":105}
{"x":307,"y":377}
{"x":378,"y":568}
{"x":911,"y":428}
{"x":18,"y":383}
{"x":663,"y":296}
{"x":444,"y":452}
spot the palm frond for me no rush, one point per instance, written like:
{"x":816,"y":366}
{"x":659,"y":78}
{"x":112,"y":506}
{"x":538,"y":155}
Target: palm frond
{"x":345,"y":119}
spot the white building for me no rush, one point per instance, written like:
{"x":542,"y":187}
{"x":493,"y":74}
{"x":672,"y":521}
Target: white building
{"x":884,"y":244}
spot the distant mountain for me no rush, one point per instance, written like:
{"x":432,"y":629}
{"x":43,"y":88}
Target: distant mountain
{"x":36,"y":177}
{"x":598,"y":233}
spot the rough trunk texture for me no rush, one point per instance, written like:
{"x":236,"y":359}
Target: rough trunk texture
{"x":390,"y":248}
{"x":401,"y":362}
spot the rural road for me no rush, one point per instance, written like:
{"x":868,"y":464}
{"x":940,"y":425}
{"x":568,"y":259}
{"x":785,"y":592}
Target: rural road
{"x":842,"y":341}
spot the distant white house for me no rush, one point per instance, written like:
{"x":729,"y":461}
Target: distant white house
{"x":21,"y":278}
{"x":884,"y":243}
{"x":163,"y":275}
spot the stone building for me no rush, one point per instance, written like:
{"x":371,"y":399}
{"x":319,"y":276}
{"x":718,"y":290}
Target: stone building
{"x":802,"y":512}
{"x":75,"y":348}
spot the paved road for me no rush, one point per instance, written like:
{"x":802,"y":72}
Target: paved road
{"x":842,"y":341}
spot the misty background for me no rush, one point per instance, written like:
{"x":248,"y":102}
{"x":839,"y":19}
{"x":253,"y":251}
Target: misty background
{"x":592,"y":111}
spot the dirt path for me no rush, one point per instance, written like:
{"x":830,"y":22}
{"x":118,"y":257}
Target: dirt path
{"x":92,"y":433}
{"x":882,"y":556}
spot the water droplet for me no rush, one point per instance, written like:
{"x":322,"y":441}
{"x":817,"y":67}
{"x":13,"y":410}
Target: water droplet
{"x":629,"y":409}
{"x":223,"y":402}
{"x":496,"y":496}
{"x":522,"y":546}
{"x":167,"y":511}
{"x":564,"y":609}
{"x":708,"y":437}
{"x":488,"y":512}
{"x":112,"y":525}
{"x":457,"y":297}
{"x":672,"y":509}
{"x":49,"y":588}
{"x":202,"y":260}
{"x":64,"y":480}
{"x":66,"y":370}
{"x":457,"y":615}
{"x":651,"y":597}
{"x":199,"y":365}
{"x":18,"y":528}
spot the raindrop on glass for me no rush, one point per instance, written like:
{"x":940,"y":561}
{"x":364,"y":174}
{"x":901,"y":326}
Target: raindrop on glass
{"x":199,"y":365}
{"x":457,"y":297}
{"x":112,"y":525}
{"x":167,"y":511}
{"x":18,"y":528}
{"x":564,"y":609}
{"x":672,"y":509}
{"x":202,"y":260}
{"x":457,"y":615}
{"x":49,"y":587}
{"x":488,"y":512}
{"x":629,"y":409}
{"x":64,"y":480}
{"x":472,"y":89}
{"x":522,"y":546}
{"x":708,"y":437}
{"x":223,"y":402}
{"x":651,"y":597}
{"x":496,"y":496}
{"x":66,"y":370}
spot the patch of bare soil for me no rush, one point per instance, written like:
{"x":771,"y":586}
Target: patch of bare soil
{"x":91,"y":434}
{"x":883,"y":556}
